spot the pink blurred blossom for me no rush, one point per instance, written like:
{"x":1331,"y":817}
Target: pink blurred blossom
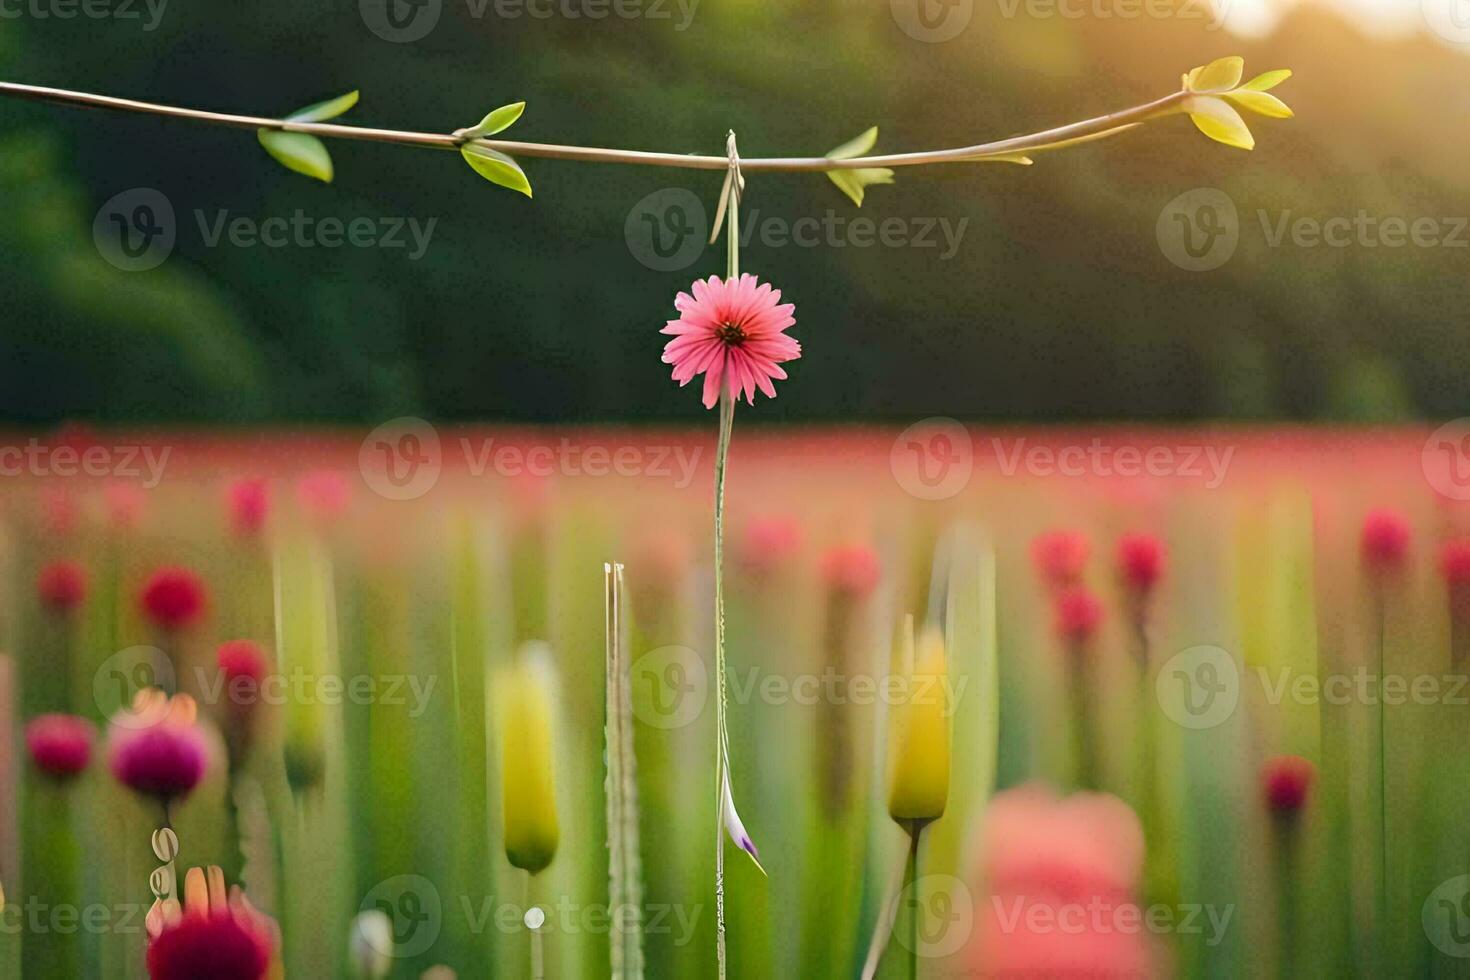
{"x":156,"y":748}
{"x":1077,"y":614}
{"x":1060,"y":557}
{"x":1385,"y":539}
{"x":1141,"y":560}
{"x":59,"y":745}
{"x":249,"y":501}
{"x":1061,"y":877}
{"x":173,"y":597}
{"x":1286,"y":782}
{"x":61,"y":586}
{"x":851,"y":570}
{"x":768,"y":543}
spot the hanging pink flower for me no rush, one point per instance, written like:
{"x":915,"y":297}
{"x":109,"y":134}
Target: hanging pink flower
{"x":59,"y":745}
{"x":733,"y":333}
{"x":212,"y":933}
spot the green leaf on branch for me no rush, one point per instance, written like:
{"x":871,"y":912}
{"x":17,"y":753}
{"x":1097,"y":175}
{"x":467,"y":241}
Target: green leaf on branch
{"x":322,"y":111}
{"x":494,"y":122}
{"x":300,"y":152}
{"x":496,"y":167}
{"x":854,"y":182}
{"x":303,"y":152}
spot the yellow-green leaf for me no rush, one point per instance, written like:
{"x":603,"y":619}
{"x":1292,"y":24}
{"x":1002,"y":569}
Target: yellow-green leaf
{"x":1218,"y":76}
{"x":1268,"y":81}
{"x":330,"y":109}
{"x":496,"y":121}
{"x":1221,"y":123}
{"x":857,"y":147}
{"x":496,"y":167}
{"x":300,"y":152}
{"x":854,"y":182}
{"x":1263,"y":103}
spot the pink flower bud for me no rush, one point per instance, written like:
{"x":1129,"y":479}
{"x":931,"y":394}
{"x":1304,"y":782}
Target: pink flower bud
{"x":249,"y":500}
{"x":851,"y":570}
{"x":1078,"y":614}
{"x":173,"y":597}
{"x":1060,"y":557}
{"x":62,"y":586}
{"x":1286,"y":782}
{"x":1141,"y":561}
{"x":1385,"y":539}
{"x":59,"y":745}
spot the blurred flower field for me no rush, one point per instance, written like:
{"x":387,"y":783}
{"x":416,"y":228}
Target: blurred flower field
{"x":1190,"y":702}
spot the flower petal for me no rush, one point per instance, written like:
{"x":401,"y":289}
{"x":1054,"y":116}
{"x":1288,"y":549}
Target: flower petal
{"x":1220,"y":122}
{"x":734,"y":827}
{"x":1263,"y":103}
{"x":1218,"y":76}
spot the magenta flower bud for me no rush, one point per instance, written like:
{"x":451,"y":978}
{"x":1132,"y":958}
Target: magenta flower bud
{"x":156,"y":749}
{"x":1385,"y":540}
{"x":1077,"y":615}
{"x":173,"y":598}
{"x":59,"y":745}
{"x":1141,"y":562}
{"x":249,"y":500}
{"x":1060,"y":557}
{"x":62,"y":586}
{"x":1286,"y":783}
{"x":852,"y":571}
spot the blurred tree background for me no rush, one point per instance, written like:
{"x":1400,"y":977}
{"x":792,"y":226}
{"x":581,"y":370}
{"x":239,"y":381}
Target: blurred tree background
{"x":1058,"y":304}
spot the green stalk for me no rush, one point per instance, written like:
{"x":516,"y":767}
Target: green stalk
{"x":910,"y":881}
{"x":722,"y":456}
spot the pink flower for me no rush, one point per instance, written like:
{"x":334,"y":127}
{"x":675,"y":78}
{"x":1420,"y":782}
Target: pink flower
{"x":1286,"y":780}
{"x":851,"y":570}
{"x":769,"y":542}
{"x":1060,"y":557}
{"x":324,"y":494}
{"x":242,"y":666}
{"x":124,"y":503}
{"x":62,"y":586}
{"x":173,"y":597}
{"x":1140,"y":561}
{"x":155,"y":748}
{"x":1078,"y":614}
{"x":1061,"y":877}
{"x":1385,"y":539}
{"x":59,"y":745}
{"x":249,"y":501}
{"x":732,"y":332}
{"x":213,"y":933}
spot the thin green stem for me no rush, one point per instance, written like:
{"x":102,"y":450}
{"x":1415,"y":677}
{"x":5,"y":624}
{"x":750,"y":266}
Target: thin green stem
{"x":1009,"y":147}
{"x":722,"y":456}
{"x":916,"y":908}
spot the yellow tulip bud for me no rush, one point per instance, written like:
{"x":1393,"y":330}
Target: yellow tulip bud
{"x":524,"y":713}
{"x":918,"y":736}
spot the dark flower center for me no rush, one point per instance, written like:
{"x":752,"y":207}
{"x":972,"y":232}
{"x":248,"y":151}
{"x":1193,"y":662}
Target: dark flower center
{"x":732,"y":334}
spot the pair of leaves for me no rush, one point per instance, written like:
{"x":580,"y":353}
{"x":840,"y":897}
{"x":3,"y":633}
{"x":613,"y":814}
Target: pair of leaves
{"x":1215,"y":92}
{"x":494,"y":166}
{"x":303,"y":152}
